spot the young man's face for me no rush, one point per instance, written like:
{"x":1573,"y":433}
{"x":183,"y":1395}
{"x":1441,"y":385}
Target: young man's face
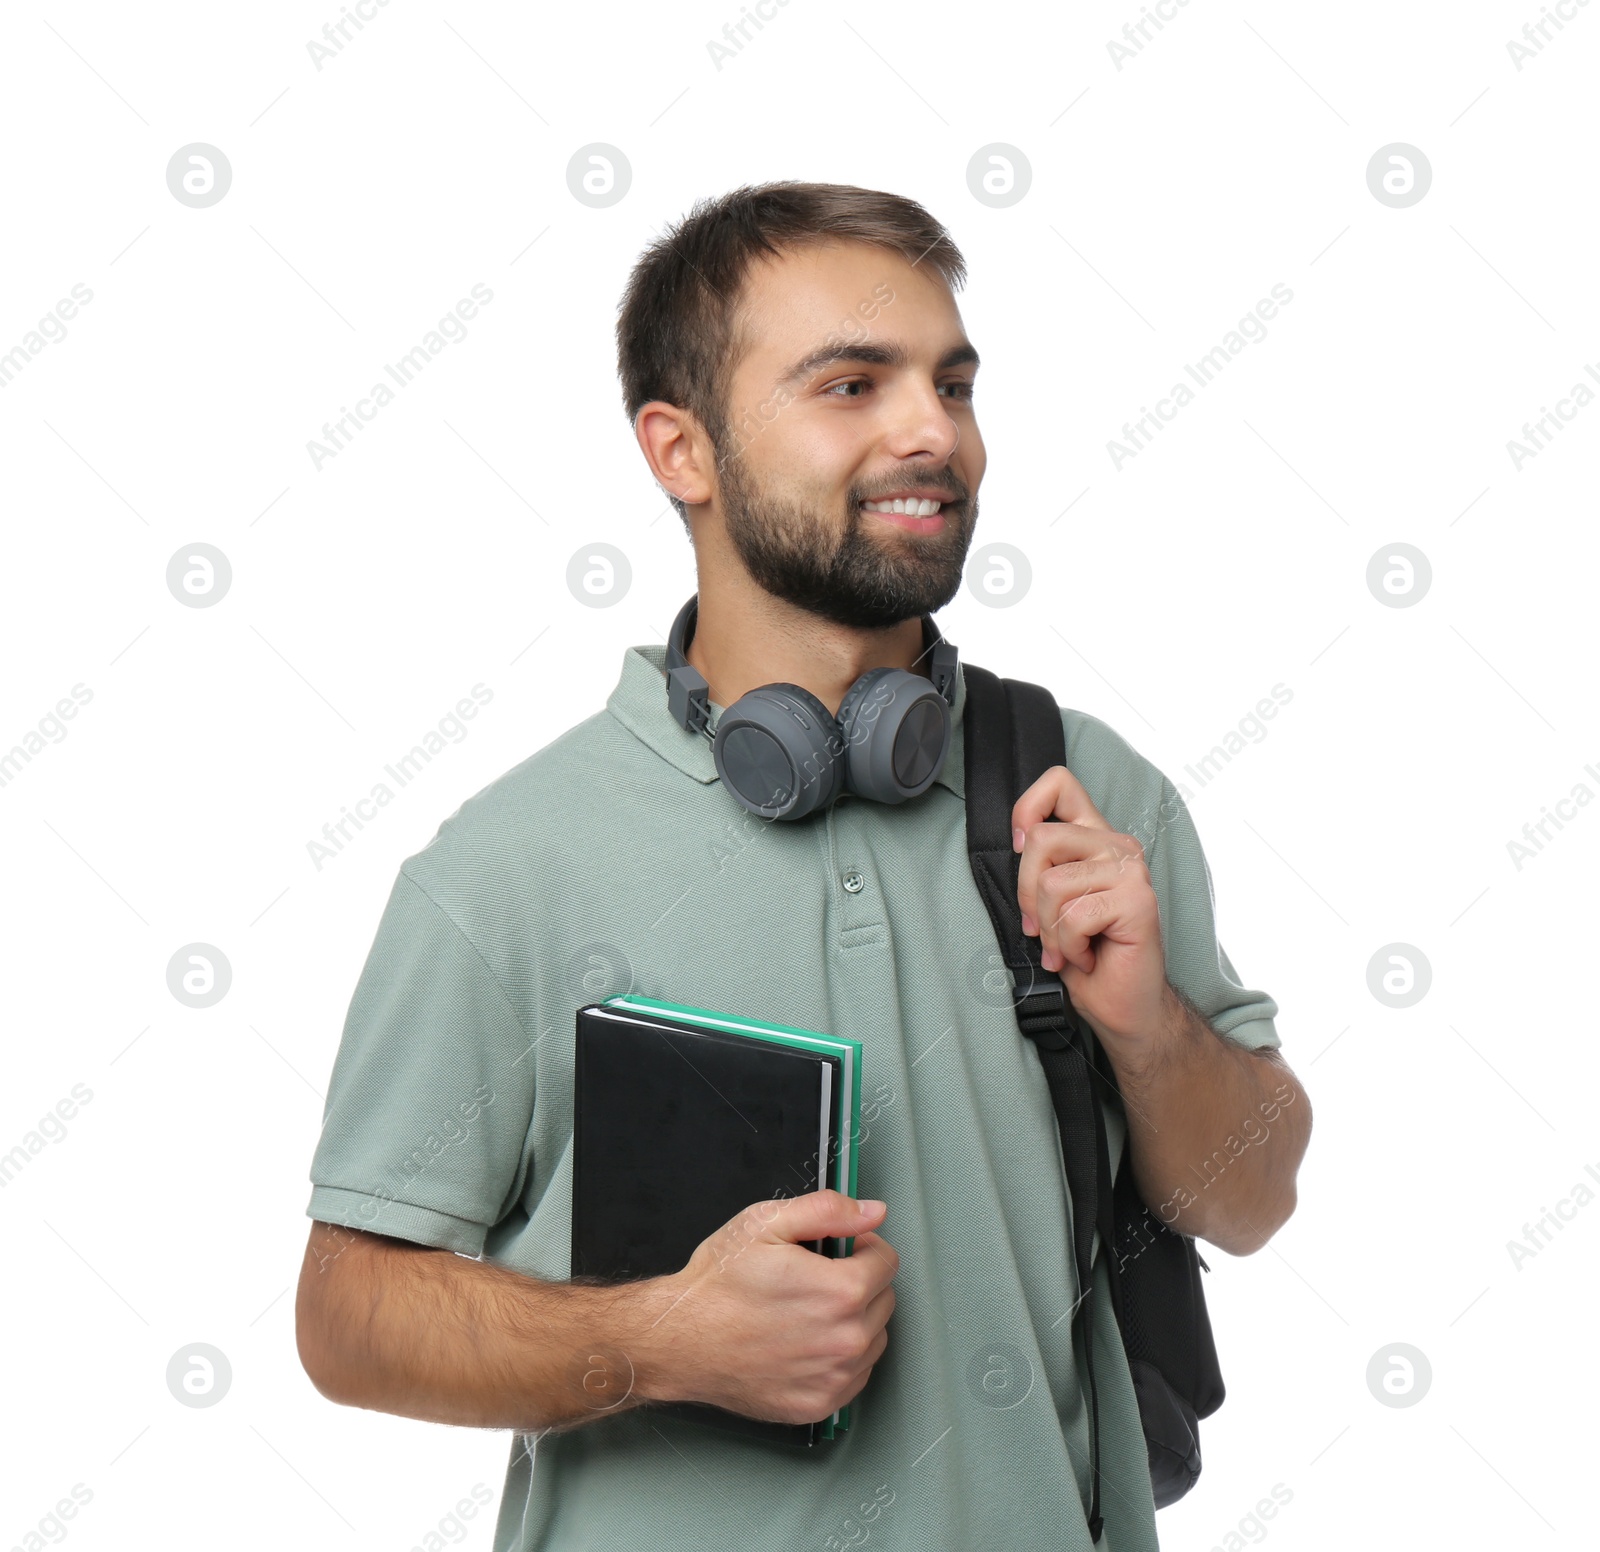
{"x":814,"y":431}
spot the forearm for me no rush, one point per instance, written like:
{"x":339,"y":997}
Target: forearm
{"x":432,"y":1335}
{"x":1216,"y":1131}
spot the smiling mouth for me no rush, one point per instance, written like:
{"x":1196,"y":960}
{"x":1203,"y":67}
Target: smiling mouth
{"x":918,"y":516}
{"x":910,"y":506}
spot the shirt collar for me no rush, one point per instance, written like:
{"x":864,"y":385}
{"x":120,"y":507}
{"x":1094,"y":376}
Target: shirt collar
{"x":639,"y":703}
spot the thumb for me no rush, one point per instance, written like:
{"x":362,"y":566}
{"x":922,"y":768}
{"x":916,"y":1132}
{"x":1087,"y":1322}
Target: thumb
{"x":825,"y":1214}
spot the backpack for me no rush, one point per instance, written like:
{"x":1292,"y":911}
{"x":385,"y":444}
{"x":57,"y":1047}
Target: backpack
{"x":1012,"y":734}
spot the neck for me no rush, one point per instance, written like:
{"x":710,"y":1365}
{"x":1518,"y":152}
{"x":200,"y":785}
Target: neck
{"x":744,"y":637}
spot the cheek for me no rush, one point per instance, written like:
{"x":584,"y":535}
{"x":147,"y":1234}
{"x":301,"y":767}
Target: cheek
{"x":822,"y":471}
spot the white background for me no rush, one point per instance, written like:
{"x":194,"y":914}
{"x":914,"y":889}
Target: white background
{"x":1167,"y":597}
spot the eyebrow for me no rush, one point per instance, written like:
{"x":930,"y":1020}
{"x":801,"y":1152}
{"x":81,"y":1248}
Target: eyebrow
{"x":870,"y":354}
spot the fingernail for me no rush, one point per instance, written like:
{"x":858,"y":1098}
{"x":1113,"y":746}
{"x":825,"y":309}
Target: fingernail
{"x":1029,"y":925}
{"x":868,"y":1207}
{"x":1017,"y":839}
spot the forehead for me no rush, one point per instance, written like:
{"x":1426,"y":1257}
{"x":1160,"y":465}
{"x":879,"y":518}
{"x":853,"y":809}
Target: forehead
{"x":802,"y":298}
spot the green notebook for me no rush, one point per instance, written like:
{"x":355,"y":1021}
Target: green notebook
{"x":841,"y":1169}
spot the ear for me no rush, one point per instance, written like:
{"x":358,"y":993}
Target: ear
{"x":677,"y":450}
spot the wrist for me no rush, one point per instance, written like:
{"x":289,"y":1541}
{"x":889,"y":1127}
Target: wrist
{"x":1168,"y":1041}
{"x":660,"y":1340}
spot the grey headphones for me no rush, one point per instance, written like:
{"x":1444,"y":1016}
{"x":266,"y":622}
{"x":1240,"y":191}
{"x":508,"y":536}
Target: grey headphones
{"x":783,"y":754}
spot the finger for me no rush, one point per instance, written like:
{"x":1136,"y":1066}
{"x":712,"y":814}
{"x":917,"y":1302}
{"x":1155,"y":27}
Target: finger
{"x":1057,"y":794}
{"x":879,"y":1309}
{"x":1061,"y":885}
{"x":1118,"y":915}
{"x":1051,"y":844}
{"x":869,"y":1362}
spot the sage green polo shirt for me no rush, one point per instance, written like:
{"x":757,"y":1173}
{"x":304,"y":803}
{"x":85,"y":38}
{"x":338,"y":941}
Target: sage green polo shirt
{"x":612,"y":860}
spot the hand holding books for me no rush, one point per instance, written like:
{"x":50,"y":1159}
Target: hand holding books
{"x":772,"y":1330}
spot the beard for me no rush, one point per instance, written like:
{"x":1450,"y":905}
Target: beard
{"x":840,"y":569}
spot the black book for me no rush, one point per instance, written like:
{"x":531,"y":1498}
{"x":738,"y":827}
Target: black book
{"x":683,"y":1117}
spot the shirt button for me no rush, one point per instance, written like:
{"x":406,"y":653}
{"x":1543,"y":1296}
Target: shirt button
{"x":854,"y":883}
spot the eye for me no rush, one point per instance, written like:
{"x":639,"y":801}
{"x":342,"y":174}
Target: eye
{"x":953,"y":390}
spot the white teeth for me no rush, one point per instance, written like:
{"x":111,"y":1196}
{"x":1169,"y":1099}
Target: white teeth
{"x":912,"y":508}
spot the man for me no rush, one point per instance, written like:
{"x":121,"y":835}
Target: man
{"x":796,"y":369}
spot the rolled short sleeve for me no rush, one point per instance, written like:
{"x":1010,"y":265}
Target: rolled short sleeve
{"x":426,"y":1125}
{"x":1197,"y":964}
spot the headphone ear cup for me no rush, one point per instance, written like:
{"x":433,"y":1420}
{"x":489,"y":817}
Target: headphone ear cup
{"x":896,"y":731}
{"x":778,"y":750}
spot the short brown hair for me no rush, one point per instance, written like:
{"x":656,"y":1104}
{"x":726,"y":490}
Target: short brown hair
{"x":676,"y":338}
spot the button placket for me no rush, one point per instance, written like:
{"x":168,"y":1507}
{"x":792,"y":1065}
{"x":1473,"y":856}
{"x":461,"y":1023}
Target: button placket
{"x":859,"y":900}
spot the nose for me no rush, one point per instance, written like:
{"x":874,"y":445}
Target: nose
{"x":920,"y":425}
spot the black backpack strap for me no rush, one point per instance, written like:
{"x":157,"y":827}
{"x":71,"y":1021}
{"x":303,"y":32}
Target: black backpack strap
{"x":1012,"y":734}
